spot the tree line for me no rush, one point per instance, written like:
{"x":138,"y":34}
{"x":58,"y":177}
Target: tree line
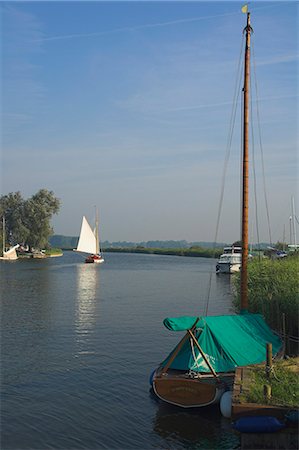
{"x":27,"y":222}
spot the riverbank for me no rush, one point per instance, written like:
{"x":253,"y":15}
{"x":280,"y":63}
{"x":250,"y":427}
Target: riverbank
{"x":53,"y":252}
{"x":192,"y":251}
{"x":48,"y":253}
{"x":249,"y":394}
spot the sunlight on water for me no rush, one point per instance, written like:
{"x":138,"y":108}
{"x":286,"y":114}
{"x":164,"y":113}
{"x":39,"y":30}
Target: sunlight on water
{"x":80,"y":341}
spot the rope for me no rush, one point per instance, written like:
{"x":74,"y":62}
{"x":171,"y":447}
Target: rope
{"x":254,"y":174}
{"x":193,"y":353}
{"x":260,"y":142}
{"x":227,"y":155}
{"x":269,"y":370}
{"x":193,"y":373}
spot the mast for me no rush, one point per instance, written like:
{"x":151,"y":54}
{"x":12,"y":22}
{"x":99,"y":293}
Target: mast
{"x":290,"y":219}
{"x":97,"y":232}
{"x":294,"y":224}
{"x":245,"y":185}
{"x":3,"y":235}
{"x":284,"y":238}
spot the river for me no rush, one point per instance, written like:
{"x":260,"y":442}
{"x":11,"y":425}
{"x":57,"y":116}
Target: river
{"x":79,"y":342}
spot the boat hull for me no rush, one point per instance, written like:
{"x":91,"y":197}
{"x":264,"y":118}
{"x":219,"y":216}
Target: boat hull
{"x":188,"y":392}
{"x":228,"y":268}
{"x":97,"y":259}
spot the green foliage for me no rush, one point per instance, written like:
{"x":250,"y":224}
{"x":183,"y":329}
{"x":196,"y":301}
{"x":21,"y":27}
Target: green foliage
{"x":283,"y":381}
{"x":53,"y":251}
{"x":12,"y":208}
{"x":193,"y":251}
{"x":28,"y":221}
{"x":273,"y":289}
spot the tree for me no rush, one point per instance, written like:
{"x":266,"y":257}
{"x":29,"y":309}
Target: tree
{"x":28,"y":221}
{"x":12,"y":208}
{"x":38,"y":213}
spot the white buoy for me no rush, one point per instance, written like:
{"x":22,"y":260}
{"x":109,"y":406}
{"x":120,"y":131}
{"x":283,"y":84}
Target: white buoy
{"x":226,"y":404}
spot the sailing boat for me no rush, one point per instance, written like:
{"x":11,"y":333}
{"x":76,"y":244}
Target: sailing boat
{"x":202,"y":366}
{"x":9,"y":254}
{"x":89,"y":242}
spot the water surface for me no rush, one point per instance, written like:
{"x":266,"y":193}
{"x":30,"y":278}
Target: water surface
{"x":79,"y":342}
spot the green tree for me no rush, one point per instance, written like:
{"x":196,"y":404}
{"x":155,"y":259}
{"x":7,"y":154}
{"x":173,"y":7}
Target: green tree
{"x":38,"y":213}
{"x":28,"y":221}
{"x":12,"y":208}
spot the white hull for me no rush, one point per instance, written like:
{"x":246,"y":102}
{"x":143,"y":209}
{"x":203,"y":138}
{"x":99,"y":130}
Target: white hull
{"x":99,"y":261}
{"x":228,"y":268}
{"x":94,"y":259}
{"x":230,"y":261}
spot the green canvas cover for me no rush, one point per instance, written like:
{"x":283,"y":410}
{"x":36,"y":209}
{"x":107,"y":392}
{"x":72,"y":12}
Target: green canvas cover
{"x":227,"y":341}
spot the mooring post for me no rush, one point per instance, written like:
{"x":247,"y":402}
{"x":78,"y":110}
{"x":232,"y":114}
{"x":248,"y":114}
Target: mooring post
{"x":284,"y":334}
{"x":269,"y":360}
{"x":267,"y":392}
{"x":267,"y":387}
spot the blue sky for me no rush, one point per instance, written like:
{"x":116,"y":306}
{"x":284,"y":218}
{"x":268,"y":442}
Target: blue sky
{"x":127,"y":106}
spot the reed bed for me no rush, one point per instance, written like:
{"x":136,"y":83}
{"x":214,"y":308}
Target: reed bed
{"x":273,"y":291}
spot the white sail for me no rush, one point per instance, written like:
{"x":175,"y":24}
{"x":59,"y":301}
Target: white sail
{"x":11,"y":253}
{"x":87,"y":240}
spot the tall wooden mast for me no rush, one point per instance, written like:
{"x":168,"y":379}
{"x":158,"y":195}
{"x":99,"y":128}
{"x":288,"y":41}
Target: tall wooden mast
{"x":245,"y":186}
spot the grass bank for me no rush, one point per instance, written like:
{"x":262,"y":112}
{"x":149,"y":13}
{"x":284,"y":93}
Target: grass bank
{"x":283,"y":381}
{"x":192,"y":251}
{"x":53,"y":252}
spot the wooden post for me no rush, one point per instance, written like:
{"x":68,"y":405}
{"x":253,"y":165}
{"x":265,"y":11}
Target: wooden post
{"x":269,"y":360}
{"x":284,"y":333}
{"x":267,"y":392}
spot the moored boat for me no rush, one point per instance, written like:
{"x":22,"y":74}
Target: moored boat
{"x":230,"y":261}
{"x":8,"y":253}
{"x":202,"y":365}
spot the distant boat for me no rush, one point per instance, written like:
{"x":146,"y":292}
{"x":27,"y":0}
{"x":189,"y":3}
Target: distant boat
{"x":9,"y":254}
{"x":89,"y":242}
{"x":230,"y":261}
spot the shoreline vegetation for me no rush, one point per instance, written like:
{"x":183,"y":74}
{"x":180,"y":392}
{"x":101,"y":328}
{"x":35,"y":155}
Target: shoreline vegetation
{"x":273,"y":291}
{"x":192,"y":251}
{"x":52,"y":252}
{"x":283,"y":380}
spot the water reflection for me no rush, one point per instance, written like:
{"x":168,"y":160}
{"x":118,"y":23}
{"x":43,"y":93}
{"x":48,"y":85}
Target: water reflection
{"x":198,"y":428}
{"x":88,"y":280}
{"x":220,"y":295}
